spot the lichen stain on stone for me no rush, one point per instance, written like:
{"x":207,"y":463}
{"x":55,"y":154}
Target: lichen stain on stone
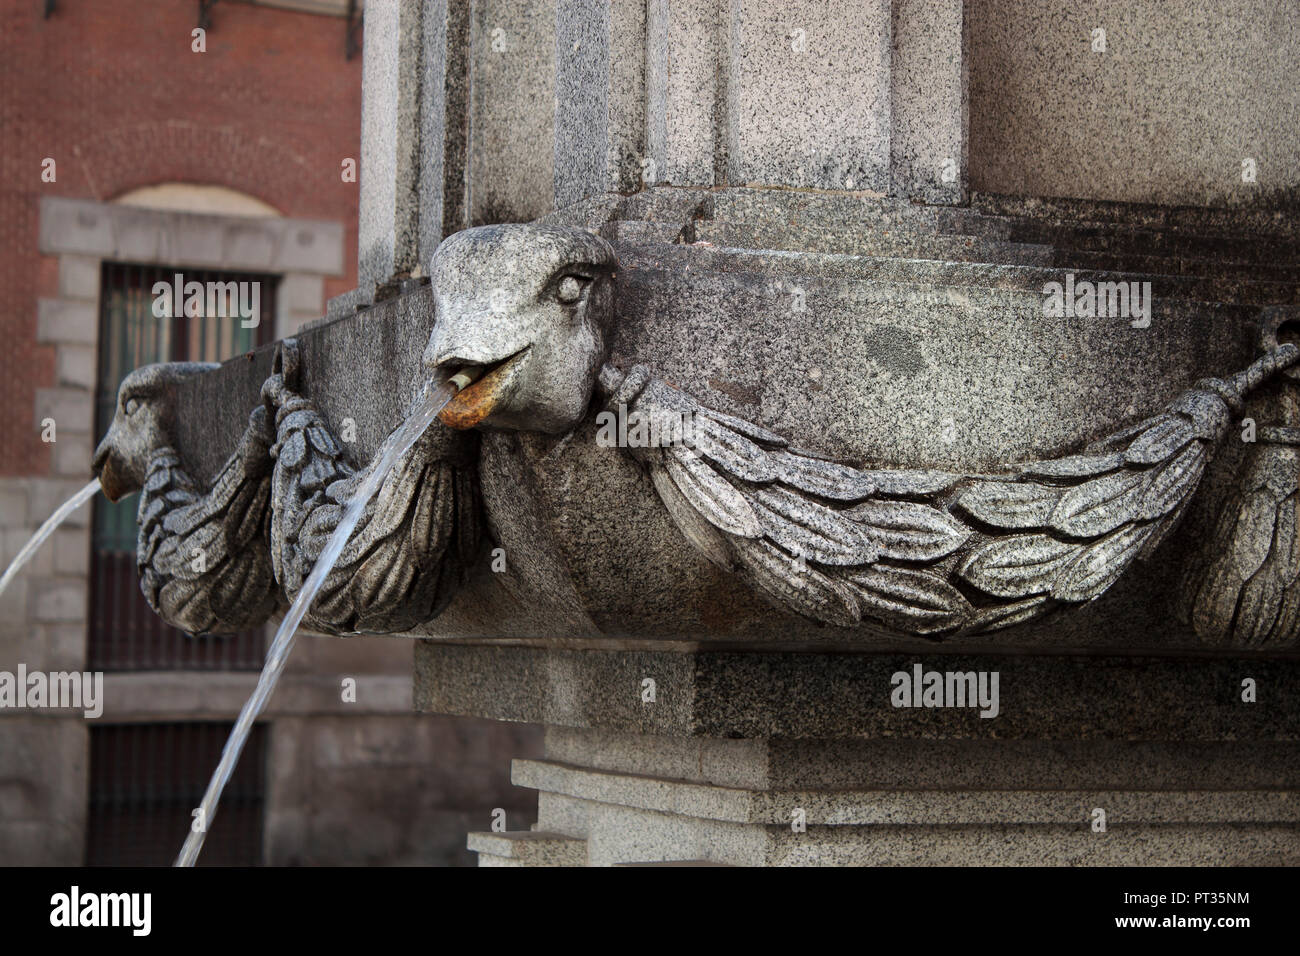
{"x":895,"y":350}
{"x":744,"y":394}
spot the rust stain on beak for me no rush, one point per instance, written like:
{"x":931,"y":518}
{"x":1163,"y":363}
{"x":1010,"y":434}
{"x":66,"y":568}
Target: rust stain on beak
{"x":108,"y":480}
{"x":475,"y":403}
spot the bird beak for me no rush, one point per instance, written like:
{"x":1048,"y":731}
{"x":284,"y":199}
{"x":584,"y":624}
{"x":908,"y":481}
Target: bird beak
{"x":475,"y":341}
{"x":103,"y":467}
{"x":493,"y":389}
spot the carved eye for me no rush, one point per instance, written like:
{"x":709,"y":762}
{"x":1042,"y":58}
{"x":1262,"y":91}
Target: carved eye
{"x":130,"y":405}
{"x":570,"y":289}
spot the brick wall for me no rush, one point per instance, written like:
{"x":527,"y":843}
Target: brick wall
{"x":111,"y":90}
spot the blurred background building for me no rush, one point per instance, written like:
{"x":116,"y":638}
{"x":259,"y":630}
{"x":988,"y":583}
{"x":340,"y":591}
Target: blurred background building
{"x":127,"y":156}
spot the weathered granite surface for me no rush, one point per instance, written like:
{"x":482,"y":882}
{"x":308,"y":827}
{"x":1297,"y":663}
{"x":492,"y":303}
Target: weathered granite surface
{"x":1181,"y":96}
{"x":958,"y":370}
{"x":761,"y":759}
{"x":609,"y":797}
{"x":792,"y":694}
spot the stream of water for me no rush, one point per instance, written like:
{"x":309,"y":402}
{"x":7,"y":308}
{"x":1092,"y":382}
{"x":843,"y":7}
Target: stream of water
{"x":45,"y":530}
{"x":394,"y":447}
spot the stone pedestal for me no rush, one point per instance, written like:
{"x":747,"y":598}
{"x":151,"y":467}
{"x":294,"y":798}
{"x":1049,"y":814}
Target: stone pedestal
{"x":765,"y":758}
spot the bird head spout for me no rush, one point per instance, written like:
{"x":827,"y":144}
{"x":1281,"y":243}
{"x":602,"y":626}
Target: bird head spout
{"x":528,"y":308}
{"x":142,"y":423}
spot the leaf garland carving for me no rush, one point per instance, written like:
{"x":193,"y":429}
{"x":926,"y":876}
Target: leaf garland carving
{"x":934,"y":553}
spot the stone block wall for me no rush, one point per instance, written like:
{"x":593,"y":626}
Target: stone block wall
{"x":1181,"y":95}
{"x":531,"y":106}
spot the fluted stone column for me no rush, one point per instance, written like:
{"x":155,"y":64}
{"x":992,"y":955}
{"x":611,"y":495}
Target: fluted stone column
{"x":600,"y":99}
{"x":929,"y":129}
{"x":497,"y":111}
{"x":388,"y":226}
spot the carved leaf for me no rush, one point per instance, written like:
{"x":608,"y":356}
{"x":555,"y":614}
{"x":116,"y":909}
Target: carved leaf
{"x":245,"y":521}
{"x":1074,"y":466}
{"x":293,"y":450}
{"x":1121,"y":438}
{"x":1288,"y":618}
{"x":910,"y":600}
{"x":1099,"y":506}
{"x":1253,"y":536}
{"x":909,"y":531}
{"x":1257,"y":612}
{"x":703,"y":536}
{"x":382,"y":583}
{"x":431,"y":519}
{"x":798,"y":586}
{"x":1165,"y":436}
{"x":1097,"y":566}
{"x":1171,"y":485}
{"x":192,"y":557}
{"x":1162,"y":530}
{"x":1011,"y":504}
{"x":1006,"y":615}
{"x":710,"y":494}
{"x":399,"y":492}
{"x":157,"y":480}
{"x":1016,"y":566}
{"x":814,"y":531}
{"x":749,"y":430}
{"x":732,"y":451}
{"x":902,"y":484}
{"x":467,"y":514}
{"x":824,"y":478}
{"x":1214,"y":602}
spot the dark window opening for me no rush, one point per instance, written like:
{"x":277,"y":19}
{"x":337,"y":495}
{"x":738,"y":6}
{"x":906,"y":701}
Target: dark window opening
{"x":125,"y":634}
{"x":147,"y":779}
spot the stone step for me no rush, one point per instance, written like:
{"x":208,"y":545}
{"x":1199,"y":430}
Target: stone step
{"x":797,"y":211}
{"x":528,"y":848}
{"x":675,"y":863}
{"x":640,"y":816}
{"x":641,"y":230}
{"x":839,"y":280}
{"x":841,"y":807}
{"x":1217,"y":236}
{"x":909,"y":244}
{"x":634,"y":250}
{"x":1128,"y":240}
{"x":1243,"y":220}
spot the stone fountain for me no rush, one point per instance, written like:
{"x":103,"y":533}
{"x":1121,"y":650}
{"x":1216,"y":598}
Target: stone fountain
{"x":806,"y":528}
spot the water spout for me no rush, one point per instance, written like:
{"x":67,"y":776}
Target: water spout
{"x":395,"y":446}
{"x":45,"y":530}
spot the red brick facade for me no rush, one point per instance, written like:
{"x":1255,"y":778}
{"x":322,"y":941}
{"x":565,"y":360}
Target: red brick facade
{"x":112,"y":91}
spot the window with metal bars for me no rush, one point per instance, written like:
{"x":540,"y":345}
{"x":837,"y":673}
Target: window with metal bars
{"x":125,"y":634}
{"x":147,"y":779}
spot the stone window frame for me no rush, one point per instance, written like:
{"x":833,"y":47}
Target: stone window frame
{"x":82,"y":234}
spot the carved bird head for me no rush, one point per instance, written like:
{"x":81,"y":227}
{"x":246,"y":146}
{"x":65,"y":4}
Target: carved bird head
{"x":528,"y":307}
{"x":141,"y":425}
